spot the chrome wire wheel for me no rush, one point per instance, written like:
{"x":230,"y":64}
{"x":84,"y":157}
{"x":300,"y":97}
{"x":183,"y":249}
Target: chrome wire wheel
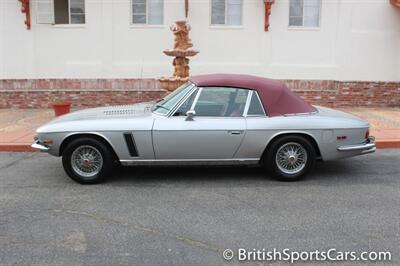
{"x":86,"y":161}
{"x":291,"y":158}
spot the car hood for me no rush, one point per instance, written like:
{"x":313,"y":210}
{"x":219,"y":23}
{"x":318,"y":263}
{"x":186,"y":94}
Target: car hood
{"x":109,"y":112}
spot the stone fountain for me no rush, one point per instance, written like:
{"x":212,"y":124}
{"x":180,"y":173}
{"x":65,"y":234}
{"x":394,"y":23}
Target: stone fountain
{"x":182,"y":50}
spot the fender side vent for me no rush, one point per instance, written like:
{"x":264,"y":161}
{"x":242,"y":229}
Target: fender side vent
{"x":131,"y":144}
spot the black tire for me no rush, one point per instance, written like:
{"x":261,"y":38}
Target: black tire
{"x":274,"y":169}
{"x":106,"y":156}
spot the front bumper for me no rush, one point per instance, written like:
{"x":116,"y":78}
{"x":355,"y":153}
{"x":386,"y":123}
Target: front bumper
{"x":40,"y":146}
{"x":364,"y":148}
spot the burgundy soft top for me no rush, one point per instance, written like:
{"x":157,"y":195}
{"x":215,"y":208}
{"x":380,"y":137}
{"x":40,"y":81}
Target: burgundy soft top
{"x":275,"y":96}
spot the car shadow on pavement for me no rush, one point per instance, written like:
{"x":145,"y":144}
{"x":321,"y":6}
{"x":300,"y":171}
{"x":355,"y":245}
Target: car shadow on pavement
{"x":222,"y":174}
{"x":187,"y":173}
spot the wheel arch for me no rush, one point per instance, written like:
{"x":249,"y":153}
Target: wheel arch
{"x":306,"y":135}
{"x":93,"y":135}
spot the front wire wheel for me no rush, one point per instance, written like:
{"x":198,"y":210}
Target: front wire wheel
{"x":88,"y":160}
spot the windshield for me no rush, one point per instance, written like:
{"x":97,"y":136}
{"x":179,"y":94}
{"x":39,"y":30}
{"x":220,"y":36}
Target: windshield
{"x":166,"y":104}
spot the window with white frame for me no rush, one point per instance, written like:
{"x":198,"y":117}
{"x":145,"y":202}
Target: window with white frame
{"x":149,"y":12}
{"x":61,"y":12}
{"x":304,"y":13}
{"x":226,"y":12}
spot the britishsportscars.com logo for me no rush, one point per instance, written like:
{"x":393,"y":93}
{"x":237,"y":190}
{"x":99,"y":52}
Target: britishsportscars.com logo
{"x":292,"y":256}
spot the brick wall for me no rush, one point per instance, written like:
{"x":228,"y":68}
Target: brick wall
{"x":39,"y":93}
{"x":347,"y":93}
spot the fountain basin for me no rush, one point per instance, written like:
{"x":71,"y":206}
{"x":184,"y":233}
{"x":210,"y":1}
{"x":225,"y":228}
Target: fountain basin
{"x":181,"y":53}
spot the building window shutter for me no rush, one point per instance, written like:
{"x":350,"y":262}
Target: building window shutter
{"x":45,"y":11}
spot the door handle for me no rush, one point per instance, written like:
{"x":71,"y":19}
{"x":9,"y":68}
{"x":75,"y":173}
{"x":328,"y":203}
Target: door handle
{"x":235,"y":132}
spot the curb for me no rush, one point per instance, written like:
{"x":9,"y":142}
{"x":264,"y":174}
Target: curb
{"x":16,"y":148}
{"x":388,"y":143}
{"x":380,"y":144}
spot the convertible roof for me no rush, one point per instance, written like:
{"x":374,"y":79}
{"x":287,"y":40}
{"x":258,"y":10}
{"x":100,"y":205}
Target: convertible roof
{"x":275,"y":96}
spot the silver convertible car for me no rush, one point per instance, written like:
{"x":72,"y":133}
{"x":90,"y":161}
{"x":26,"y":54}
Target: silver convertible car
{"x":212,"y":119}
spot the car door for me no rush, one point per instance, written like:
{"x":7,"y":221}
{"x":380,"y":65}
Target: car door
{"x":215,"y":132}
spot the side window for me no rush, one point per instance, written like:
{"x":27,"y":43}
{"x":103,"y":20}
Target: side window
{"x":186,"y":105}
{"x":44,"y":11}
{"x":226,"y":12}
{"x":61,"y":12}
{"x":304,"y":13}
{"x":149,"y":12}
{"x":221,"y":102}
{"x":69,"y":12}
{"x":255,"y":108}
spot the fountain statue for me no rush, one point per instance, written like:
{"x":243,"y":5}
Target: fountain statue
{"x":181,"y":51}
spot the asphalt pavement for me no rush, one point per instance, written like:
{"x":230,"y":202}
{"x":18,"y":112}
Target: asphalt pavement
{"x":190,"y":215}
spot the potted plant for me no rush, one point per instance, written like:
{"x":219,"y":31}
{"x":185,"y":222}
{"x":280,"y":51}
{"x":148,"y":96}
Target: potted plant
{"x":61,"y":107}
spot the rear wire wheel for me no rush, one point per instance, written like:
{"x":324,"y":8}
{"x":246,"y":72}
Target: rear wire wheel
{"x":290,"y":158}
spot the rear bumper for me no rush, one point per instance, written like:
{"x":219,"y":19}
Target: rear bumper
{"x":364,"y":148}
{"x":40,"y":146}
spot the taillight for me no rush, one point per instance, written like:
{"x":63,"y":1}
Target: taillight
{"x":367,"y":134}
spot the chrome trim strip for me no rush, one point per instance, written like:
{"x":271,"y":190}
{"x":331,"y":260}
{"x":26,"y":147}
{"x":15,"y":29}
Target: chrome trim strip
{"x":309,"y":113}
{"x":368,"y":146}
{"x":196,"y":99}
{"x":37,"y":145}
{"x":190,"y":161}
{"x":248,"y":100}
{"x":369,"y":151}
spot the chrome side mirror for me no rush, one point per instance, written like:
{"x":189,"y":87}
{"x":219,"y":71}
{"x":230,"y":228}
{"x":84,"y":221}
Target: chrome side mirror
{"x":190,"y":114}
